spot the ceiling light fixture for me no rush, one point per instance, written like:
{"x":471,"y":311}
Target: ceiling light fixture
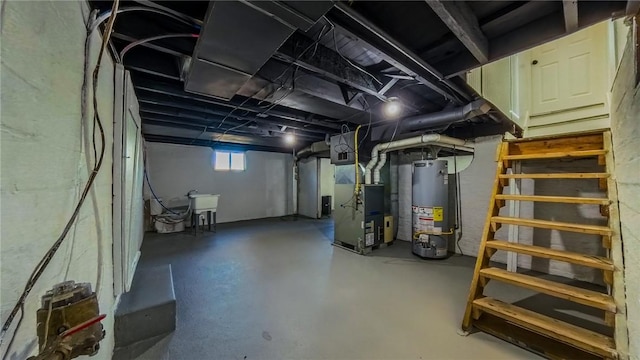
{"x":289,"y":138}
{"x":392,"y":107}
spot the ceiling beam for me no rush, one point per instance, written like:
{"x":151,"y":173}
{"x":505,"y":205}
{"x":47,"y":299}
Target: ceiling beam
{"x":213,"y":118}
{"x":213,"y":144}
{"x":257,"y":128}
{"x":326,"y":62}
{"x":354,"y":25}
{"x":459,"y":18}
{"x":221,"y":114}
{"x":168,"y":89}
{"x":570,"y":10}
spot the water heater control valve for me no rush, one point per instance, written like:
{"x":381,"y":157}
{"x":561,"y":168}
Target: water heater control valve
{"x":68,"y":322}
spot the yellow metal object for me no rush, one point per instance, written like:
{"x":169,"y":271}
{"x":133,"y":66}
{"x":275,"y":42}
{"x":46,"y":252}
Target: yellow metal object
{"x":417,"y":234}
{"x":438,"y":214}
{"x":355,"y":145}
{"x":388,"y":229}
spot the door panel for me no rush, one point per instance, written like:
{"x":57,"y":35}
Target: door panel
{"x":127,"y":183}
{"x":568,"y":82}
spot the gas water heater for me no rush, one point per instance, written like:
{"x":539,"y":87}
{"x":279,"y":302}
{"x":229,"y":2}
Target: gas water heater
{"x":430,"y":202}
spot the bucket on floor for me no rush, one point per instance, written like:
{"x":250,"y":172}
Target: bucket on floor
{"x":168,"y":223}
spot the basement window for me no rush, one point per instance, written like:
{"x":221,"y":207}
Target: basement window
{"x":229,"y":161}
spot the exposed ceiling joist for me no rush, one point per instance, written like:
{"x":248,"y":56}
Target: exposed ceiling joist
{"x":398,"y":55}
{"x":178,"y":123}
{"x":215,"y":144}
{"x":464,"y":25}
{"x":213,"y":118}
{"x":174,"y":91}
{"x":326,"y":62}
{"x":570,"y":10}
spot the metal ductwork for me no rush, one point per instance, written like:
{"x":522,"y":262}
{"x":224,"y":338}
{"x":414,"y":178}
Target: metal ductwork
{"x":379,"y":156}
{"x":315,"y":148}
{"x":239,"y":37}
{"x":446,"y":117}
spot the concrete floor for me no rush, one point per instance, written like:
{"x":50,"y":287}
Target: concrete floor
{"x":275,"y":289}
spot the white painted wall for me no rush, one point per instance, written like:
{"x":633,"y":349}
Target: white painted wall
{"x":45,"y":159}
{"x":262,"y":190}
{"x":626,"y":142}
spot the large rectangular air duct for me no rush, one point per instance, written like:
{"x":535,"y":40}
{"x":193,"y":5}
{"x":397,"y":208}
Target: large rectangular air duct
{"x":238,"y":37}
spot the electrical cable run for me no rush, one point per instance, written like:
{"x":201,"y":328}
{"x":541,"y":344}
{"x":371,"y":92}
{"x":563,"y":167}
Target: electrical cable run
{"x":48,"y":256}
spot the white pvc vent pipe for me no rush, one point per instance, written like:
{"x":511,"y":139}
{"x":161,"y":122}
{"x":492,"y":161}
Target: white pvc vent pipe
{"x":379,"y":152}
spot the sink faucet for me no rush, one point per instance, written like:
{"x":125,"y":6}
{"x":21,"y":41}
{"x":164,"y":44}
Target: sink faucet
{"x":192,"y":192}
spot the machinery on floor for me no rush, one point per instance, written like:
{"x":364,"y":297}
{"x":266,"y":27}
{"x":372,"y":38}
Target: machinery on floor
{"x":429,"y":210}
{"x":360,"y":209}
{"x":359,"y":220}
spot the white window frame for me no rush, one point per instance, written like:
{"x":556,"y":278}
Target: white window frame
{"x":230,"y":153}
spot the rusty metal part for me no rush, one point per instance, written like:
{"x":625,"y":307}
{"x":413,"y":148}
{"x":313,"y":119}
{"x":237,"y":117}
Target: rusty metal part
{"x":68,"y":322}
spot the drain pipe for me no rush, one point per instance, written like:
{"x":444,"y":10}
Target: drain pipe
{"x":379,"y":151}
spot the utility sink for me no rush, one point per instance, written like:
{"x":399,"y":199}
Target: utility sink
{"x":203,"y":202}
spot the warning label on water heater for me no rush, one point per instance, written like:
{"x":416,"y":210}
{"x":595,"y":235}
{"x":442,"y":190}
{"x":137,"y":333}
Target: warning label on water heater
{"x":438,"y":214}
{"x":425,"y":217}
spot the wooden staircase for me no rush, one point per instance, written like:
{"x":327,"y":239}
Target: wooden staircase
{"x":545,"y":335}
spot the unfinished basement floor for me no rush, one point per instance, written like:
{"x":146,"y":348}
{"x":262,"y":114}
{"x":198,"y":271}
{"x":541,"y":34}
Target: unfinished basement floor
{"x":277,"y":289}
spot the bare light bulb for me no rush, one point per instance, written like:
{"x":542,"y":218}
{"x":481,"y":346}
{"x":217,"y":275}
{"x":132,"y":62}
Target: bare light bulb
{"x":392,"y":108}
{"x":289,"y":138}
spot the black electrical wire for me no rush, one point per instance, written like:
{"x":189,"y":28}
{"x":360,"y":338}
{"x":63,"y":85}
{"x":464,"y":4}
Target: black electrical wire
{"x":146,"y":176}
{"x":48,"y":256}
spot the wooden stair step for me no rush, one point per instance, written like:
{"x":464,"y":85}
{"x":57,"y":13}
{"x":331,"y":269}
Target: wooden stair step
{"x":554,"y":225}
{"x":556,"y":155}
{"x":555,"y":199}
{"x":570,"y":334}
{"x":563,"y":291}
{"x":555,"y":176}
{"x":597,"y":262}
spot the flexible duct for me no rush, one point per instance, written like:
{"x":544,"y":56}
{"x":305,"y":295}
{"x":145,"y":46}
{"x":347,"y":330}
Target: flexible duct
{"x":379,"y":158}
{"x":314,"y":148}
{"x":446,"y":117}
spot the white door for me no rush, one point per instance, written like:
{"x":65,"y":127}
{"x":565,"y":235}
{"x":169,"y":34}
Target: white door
{"x":569,"y":83}
{"x":308,"y":188}
{"x":127,"y":183}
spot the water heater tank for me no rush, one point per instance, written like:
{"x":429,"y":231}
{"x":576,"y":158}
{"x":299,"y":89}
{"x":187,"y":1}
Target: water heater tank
{"x":430,"y":202}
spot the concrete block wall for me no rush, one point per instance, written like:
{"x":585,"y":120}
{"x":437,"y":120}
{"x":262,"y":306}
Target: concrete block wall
{"x":45,"y":159}
{"x":263,"y":190}
{"x":625,"y":128}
